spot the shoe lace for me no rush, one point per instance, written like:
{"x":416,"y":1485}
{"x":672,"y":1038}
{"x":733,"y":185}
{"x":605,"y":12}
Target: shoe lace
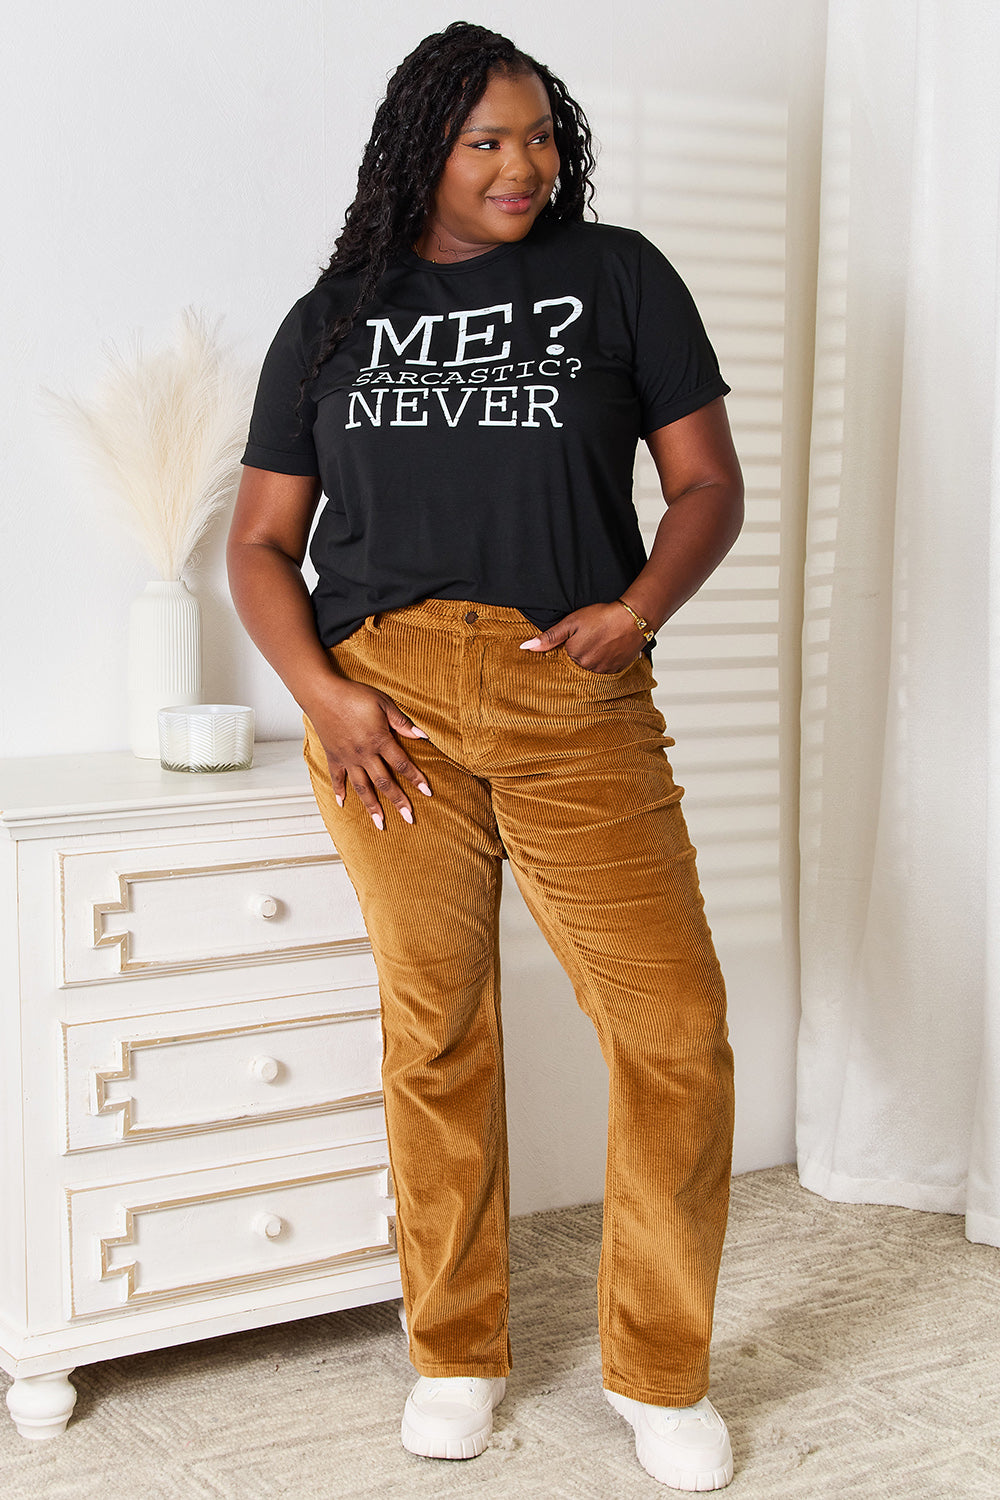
{"x":687,"y":1415}
{"x":451,"y":1386}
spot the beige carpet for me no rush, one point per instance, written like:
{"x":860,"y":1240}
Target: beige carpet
{"x":857,"y":1353}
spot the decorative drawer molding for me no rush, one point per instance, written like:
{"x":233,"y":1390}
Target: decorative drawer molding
{"x":203,"y":1233}
{"x":129,"y":912}
{"x":125,"y":1082}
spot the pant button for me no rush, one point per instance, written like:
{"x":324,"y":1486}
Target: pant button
{"x":471,"y":617}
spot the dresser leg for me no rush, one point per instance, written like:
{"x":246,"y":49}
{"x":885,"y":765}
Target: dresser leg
{"x":41,"y":1405}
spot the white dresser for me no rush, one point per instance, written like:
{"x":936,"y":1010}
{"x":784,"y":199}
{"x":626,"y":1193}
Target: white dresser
{"x":191,"y":1130}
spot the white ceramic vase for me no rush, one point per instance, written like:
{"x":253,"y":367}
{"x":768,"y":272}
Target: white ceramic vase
{"x":164,"y":659}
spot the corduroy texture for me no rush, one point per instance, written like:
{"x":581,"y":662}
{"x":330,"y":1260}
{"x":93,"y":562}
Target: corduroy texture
{"x":564,"y":770}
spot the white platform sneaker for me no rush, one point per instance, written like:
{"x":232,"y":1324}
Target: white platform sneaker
{"x":451,"y":1417}
{"x":685,"y":1447}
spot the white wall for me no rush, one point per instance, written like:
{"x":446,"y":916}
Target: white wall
{"x":167,"y":155}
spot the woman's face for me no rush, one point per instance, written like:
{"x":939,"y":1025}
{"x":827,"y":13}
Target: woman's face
{"x":500,"y":173}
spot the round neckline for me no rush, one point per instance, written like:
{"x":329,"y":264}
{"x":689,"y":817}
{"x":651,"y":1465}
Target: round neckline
{"x":454,"y":268}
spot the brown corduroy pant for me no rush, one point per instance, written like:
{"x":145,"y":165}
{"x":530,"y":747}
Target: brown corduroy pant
{"x":566,"y":772}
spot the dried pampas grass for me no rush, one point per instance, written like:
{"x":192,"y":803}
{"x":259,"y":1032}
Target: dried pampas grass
{"x":165,"y":432}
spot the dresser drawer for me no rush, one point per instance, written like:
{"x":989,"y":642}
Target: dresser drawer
{"x":199,"y":1234}
{"x":128,"y":1079}
{"x":187,"y":907}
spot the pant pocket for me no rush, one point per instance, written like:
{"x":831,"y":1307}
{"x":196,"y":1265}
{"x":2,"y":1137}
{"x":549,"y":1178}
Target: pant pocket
{"x":640,"y":669}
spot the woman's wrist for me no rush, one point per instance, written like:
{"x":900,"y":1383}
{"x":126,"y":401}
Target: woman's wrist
{"x":640,"y":622}
{"x":319,"y":690}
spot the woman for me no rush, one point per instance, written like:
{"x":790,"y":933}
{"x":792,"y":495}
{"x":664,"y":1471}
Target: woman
{"x":467,"y":383}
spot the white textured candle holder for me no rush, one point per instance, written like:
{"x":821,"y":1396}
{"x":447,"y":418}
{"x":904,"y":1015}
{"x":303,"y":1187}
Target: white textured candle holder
{"x":206,"y":737}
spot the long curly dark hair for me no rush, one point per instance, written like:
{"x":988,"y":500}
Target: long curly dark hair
{"x":427,"y":102}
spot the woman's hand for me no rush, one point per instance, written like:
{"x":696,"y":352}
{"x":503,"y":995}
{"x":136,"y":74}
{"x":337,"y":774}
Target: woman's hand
{"x":599,"y":637}
{"x":357,"y":727}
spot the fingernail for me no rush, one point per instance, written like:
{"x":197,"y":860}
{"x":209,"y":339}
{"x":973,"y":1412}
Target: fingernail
{"x":530,"y":645}
{"x":379,"y":821}
{"x":423,"y":787}
{"x":340,"y":800}
{"x":419,"y":733}
{"x":406,"y":815}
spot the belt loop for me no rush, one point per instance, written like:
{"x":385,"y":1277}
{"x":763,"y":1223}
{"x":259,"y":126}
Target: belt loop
{"x":372,"y":623}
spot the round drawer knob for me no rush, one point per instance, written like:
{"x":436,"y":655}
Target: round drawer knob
{"x":264,"y":906}
{"x":268,"y":1226}
{"x":265,"y":1068}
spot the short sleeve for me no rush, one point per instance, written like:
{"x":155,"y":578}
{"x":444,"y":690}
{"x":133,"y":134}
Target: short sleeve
{"x":281,"y":436}
{"x":676,"y":370}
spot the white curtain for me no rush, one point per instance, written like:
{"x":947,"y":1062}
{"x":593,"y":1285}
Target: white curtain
{"x":899,"y":1059}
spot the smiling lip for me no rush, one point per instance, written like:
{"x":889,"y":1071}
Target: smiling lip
{"x":513,"y":203}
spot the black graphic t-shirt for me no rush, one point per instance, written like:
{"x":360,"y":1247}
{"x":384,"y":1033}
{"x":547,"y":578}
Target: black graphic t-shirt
{"x":475,"y":433}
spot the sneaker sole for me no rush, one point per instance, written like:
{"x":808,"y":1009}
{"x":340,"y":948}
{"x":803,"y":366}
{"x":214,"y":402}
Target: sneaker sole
{"x":675,"y":1479}
{"x":426,"y":1447}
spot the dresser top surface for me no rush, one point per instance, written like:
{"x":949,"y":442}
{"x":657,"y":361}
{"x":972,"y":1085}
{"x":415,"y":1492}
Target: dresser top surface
{"x":56,"y":787}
